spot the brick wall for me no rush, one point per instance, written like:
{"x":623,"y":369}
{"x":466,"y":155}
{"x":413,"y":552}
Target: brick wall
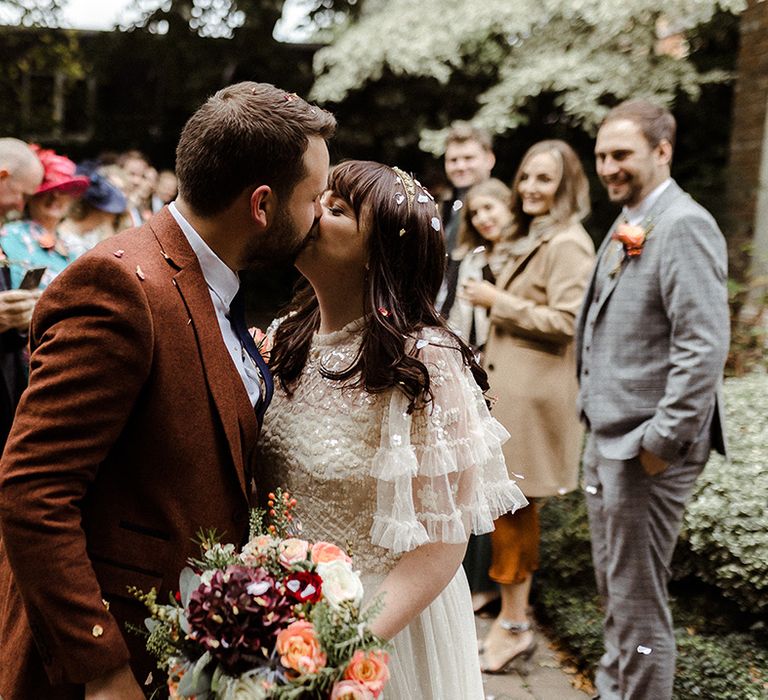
{"x":748,"y":133}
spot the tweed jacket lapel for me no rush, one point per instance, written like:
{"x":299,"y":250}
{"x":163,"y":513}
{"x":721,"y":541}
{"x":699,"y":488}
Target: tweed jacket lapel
{"x":219,"y":374}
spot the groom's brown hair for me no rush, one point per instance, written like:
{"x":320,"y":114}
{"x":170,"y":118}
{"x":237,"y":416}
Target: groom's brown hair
{"x":656,"y":123}
{"x":248,"y":134}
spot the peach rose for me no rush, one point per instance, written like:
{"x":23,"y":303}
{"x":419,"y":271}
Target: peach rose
{"x":299,"y":648}
{"x":292,"y":551}
{"x":350,"y":690}
{"x":323,"y":552}
{"x":370,"y":669}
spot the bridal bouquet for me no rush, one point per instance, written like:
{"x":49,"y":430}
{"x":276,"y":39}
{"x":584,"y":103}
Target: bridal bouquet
{"x":280,"y":619}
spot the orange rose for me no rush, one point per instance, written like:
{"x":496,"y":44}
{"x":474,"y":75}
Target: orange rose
{"x":324,"y":552}
{"x":633,"y":238}
{"x":370,"y":669}
{"x":299,"y":648}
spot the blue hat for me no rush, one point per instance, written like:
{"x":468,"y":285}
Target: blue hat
{"x":101,"y":193}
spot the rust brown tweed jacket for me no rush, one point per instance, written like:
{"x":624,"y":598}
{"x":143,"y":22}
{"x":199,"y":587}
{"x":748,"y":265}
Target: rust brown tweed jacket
{"x":135,"y":432}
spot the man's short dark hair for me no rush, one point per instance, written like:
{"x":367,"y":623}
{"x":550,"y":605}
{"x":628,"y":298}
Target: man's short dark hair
{"x":461,"y":132}
{"x":247,"y":134}
{"x":656,"y":123}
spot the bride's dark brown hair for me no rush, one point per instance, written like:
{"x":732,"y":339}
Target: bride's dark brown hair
{"x":403,"y":277}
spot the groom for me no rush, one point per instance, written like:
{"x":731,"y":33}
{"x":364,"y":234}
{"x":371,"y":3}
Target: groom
{"x":139,"y":423}
{"x":651,"y":342}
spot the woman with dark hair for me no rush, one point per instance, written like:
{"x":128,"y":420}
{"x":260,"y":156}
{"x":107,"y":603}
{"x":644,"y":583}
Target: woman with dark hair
{"x":379,"y":426}
{"x":531,"y":368}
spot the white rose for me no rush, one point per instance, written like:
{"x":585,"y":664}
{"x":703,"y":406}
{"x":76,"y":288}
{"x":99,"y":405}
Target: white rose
{"x":340,"y":583}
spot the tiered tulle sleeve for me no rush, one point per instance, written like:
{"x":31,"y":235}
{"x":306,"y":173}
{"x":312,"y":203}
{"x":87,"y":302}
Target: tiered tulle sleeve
{"x":440,"y":472}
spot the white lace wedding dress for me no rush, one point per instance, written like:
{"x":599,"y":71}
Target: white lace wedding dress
{"x":380,"y":481}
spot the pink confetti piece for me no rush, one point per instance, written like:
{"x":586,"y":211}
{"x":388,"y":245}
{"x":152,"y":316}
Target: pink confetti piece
{"x":119,"y":253}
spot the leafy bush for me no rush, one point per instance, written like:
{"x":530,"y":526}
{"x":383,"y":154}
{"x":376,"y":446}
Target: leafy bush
{"x":725,"y":530}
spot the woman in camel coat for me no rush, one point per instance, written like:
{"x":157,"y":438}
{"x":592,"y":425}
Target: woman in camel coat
{"x":530,"y":362}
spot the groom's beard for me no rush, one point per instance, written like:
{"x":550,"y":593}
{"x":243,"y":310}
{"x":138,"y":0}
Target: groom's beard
{"x":281,"y":244}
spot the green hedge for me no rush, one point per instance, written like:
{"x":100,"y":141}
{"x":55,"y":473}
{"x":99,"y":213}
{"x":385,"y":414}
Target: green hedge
{"x":725,"y":531}
{"x":719,"y":594}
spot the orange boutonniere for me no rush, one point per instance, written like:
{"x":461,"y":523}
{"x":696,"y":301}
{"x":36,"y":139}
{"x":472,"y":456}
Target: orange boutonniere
{"x":633,"y":238}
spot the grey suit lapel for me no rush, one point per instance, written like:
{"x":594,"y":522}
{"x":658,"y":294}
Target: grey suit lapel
{"x":665,"y":200}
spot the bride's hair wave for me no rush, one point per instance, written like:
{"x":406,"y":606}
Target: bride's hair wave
{"x":406,"y":260}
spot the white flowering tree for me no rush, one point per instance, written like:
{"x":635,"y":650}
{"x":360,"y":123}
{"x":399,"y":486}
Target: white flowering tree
{"x":588,"y":53}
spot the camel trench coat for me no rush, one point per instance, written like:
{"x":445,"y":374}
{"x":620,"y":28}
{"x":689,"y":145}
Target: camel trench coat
{"x":530,"y":356}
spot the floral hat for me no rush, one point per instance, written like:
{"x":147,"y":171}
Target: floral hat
{"x":59,"y":173}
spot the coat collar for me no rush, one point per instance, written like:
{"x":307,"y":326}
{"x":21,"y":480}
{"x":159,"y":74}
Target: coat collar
{"x":543,"y":229}
{"x":220,"y":375}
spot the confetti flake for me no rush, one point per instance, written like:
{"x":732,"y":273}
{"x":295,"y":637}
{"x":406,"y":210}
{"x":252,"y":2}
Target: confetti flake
{"x":119,"y":253}
{"x":399,"y":198}
{"x":140,"y":274}
{"x":97,"y":631}
{"x":383,"y":311}
{"x":643,"y":650}
{"x":421,"y":344}
{"x":422,"y":198}
{"x":591,"y":489}
{"x":435,"y":223}
{"x":149,"y":680}
{"x":458,"y":204}
{"x":562,"y":491}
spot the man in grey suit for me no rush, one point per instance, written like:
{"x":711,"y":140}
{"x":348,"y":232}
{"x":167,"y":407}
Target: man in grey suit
{"x":652,"y":339}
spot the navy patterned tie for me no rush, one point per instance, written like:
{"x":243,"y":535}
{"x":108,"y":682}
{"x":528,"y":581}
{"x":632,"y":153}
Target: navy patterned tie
{"x":237,"y":319}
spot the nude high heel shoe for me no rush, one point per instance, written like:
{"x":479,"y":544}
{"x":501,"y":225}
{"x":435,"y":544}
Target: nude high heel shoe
{"x":520,"y":660}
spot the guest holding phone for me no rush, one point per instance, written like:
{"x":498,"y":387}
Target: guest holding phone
{"x":20,"y":176}
{"x":34,"y":242}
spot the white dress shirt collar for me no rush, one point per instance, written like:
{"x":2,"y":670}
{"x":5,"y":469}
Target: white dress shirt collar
{"x":221,"y":280}
{"x":635,"y":215}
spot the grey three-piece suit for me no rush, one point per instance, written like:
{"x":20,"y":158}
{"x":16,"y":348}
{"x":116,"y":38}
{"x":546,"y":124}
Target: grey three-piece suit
{"x":652,"y":339}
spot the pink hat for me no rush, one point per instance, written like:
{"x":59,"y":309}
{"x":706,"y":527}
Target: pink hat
{"x":59,"y":173}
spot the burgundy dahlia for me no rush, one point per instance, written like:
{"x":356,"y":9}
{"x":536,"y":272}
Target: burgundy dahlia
{"x":237,"y":616}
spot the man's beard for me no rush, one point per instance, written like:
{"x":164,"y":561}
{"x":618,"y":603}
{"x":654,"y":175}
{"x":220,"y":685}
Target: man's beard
{"x":281,"y":244}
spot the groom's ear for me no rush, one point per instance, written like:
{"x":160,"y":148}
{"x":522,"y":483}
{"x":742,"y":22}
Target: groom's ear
{"x":664,"y":151}
{"x":263,"y":205}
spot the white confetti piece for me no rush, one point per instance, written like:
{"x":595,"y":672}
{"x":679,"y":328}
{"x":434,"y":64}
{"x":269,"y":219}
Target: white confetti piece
{"x":422,"y":198}
{"x":435,"y":223}
{"x":258,"y":588}
{"x":140,"y":274}
{"x":458,"y":204}
{"x":399,"y":198}
{"x":591,"y":489}
{"x":643,"y":650}
{"x":421,"y":343}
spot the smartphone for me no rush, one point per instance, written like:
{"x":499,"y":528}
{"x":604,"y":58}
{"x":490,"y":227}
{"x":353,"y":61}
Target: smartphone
{"x":32,"y":278}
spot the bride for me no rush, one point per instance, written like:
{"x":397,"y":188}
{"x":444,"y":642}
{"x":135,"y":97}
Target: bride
{"x":379,"y":426}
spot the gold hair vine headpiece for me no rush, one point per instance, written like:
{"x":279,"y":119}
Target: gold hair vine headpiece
{"x":409,"y":185}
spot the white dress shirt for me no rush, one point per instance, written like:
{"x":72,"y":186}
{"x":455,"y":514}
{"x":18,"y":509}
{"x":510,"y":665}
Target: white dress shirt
{"x":223,"y":284}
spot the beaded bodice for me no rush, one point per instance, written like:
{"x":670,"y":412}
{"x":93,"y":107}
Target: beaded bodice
{"x":318,"y":442}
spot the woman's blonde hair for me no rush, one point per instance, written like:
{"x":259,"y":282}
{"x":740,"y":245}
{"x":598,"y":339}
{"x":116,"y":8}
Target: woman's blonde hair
{"x":469,"y":237}
{"x":572,"y":194}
